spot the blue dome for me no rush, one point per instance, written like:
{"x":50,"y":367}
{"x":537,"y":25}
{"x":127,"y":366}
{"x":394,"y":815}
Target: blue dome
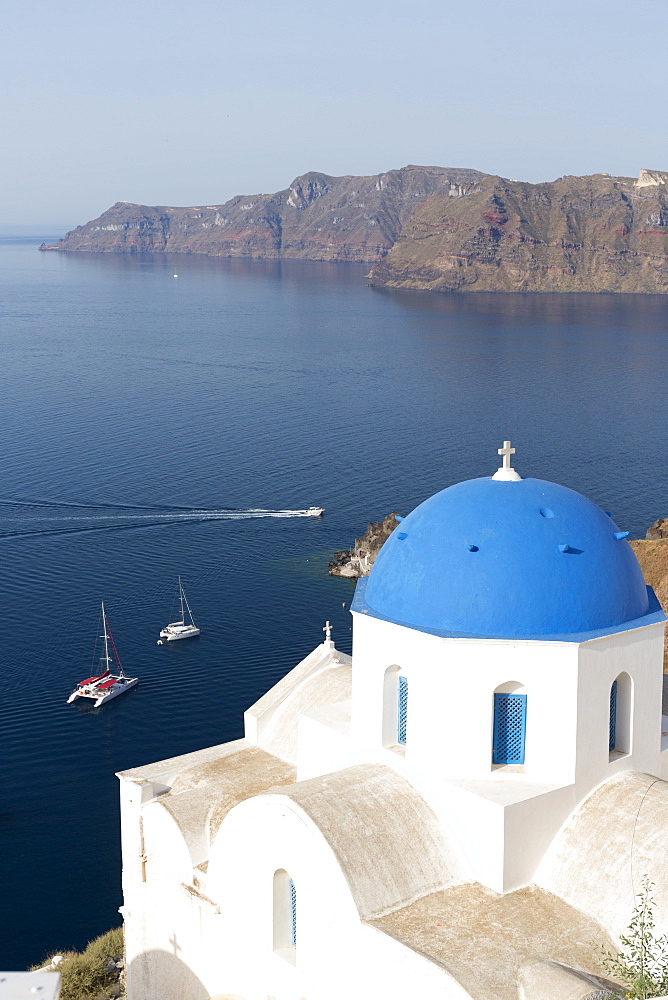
{"x":507,"y":559}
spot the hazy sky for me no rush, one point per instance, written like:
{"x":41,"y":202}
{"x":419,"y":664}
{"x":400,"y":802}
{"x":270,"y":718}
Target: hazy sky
{"x":187,"y":103}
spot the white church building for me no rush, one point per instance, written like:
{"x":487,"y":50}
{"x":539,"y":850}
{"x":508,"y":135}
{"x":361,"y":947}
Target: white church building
{"x":466,"y":808}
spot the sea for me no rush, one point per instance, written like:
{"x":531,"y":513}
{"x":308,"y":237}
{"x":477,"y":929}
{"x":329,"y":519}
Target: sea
{"x":171,"y":415}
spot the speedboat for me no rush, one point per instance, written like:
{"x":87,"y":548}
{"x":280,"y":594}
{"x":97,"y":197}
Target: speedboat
{"x":181,"y":629}
{"x":314,"y":511}
{"x":109,"y":684}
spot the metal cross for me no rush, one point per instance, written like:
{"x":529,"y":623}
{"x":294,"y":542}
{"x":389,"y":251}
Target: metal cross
{"x":506,"y":452}
{"x":328,"y":631}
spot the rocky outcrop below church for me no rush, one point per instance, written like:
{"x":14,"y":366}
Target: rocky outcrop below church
{"x":358,"y":561}
{"x":652,"y":554}
{"x":317,"y":217}
{"x":658,"y":530}
{"x":575,"y":234}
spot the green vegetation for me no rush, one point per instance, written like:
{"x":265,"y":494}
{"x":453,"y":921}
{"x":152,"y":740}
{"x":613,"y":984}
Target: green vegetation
{"x":88,"y":975}
{"x":642,"y":964}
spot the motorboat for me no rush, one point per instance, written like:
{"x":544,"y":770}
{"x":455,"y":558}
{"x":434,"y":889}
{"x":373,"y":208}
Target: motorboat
{"x":314,"y":511}
{"x":112,"y":681}
{"x":182,"y":629}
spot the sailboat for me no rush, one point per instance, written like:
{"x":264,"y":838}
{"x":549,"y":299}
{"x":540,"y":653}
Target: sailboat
{"x":180,"y":629}
{"x":110,"y":683}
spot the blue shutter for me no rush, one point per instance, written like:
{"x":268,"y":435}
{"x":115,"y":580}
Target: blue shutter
{"x":510,"y":719}
{"x":293,"y":914}
{"x":402,"y":709}
{"x":613,"y":716}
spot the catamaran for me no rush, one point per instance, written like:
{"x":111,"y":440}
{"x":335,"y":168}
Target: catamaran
{"x":109,"y":684}
{"x":180,"y":629}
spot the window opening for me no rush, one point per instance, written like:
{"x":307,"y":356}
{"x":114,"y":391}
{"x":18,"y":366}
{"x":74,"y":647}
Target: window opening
{"x":612,"y":732}
{"x":402,"y":709}
{"x":285,"y":916}
{"x":510,"y":715}
{"x":293,"y":914}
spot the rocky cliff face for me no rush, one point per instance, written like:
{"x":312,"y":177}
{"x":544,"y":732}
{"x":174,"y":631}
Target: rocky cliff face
{"x":317,"y":218}
{"x":359,"y":560}
{"x":575,"y":234}
{"x":434,"y":228}
{"x":652,"y":554}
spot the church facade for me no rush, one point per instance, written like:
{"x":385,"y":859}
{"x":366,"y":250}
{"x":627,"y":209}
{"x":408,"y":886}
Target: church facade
{"x":465,"y":808}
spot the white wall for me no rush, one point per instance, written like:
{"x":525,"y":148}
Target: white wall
{"x":504,"y":819}
{"x":336,"y":955}
{"x":639,"y":654}
{"x":451,"y":684}
{"x":161,"y":917}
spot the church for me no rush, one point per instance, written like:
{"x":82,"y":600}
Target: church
{"x":465,"y":809}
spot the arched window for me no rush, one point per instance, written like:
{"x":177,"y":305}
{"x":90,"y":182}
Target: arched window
{"x":402,"y":709}
{"x":510,"y":720}
{"x":293,"y":914}
{"x":612,"y":724}
{"x":395,"y":707}
{"x":620,"y":715}
{"x":285,"y":914}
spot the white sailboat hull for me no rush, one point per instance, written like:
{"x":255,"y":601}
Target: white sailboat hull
{"x":122,"y":685}
{"x":84,"y":692}
{"x":180,"y":629}
{"x":172,"y":632}
{"x":102,"y":695}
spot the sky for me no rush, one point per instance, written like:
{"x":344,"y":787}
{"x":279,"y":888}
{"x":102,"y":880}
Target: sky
{"x":191,"y":103}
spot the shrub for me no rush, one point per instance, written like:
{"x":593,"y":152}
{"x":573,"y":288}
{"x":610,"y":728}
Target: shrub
{"x":85,"y":975}
{"x":642,"y":964}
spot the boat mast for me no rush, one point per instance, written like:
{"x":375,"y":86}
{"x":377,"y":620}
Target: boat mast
{"x":183,"y":620}
{"x":183,"y":594}
{"x":106,"y":657}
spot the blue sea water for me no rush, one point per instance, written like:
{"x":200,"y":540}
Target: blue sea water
{"x":136,"y":407}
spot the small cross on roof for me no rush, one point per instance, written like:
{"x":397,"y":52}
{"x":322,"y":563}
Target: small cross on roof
{"x":506,"y":452}
{"x":506,"y":471}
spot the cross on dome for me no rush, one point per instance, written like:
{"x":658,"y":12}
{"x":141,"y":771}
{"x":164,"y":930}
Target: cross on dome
{"x":506,"y":451}
{"x":327,"y":629}
{"x":506,"y":471}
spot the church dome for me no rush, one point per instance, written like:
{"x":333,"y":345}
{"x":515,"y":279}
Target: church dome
{"x":507,"y":557}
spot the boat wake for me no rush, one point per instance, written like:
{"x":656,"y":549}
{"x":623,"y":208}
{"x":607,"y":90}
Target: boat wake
{"x":101,"y":517}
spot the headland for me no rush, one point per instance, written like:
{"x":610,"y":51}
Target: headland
{"x":441,"y":229}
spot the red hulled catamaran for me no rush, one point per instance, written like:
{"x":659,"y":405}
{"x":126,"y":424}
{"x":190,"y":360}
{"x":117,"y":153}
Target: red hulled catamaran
{"x":110,"y":683}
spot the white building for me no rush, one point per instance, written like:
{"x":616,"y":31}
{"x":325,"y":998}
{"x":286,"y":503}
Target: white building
{"x":464,"y":809}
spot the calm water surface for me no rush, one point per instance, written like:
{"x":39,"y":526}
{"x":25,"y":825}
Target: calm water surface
{"x":135,"y":406}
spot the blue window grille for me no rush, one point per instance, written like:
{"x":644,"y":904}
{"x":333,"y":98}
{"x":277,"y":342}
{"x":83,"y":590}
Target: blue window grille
{"x":510,"y":722}
{"x":402,"y":709}
{"x":613,"y":716}
{"x":293,"y":914}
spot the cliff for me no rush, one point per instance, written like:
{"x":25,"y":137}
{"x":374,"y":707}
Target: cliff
{"x":317,"y":218}
{"x":652,"y":554}
{"x":658,"y":530}
{"x":575,"y":234}
{"x":359,"y":560}
{"x":431,"y":228}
